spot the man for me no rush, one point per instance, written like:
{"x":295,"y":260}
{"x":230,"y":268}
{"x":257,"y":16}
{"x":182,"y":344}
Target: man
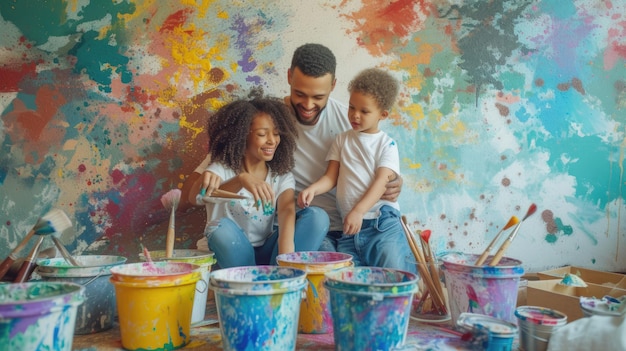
{"x":320,"y":118}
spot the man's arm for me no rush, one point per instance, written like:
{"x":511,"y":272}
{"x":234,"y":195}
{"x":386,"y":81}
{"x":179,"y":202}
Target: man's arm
{"x":393,"y":189}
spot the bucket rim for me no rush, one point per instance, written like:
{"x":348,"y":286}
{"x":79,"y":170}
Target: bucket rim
{"x":344,"y":257}
{"x":77,"y":290}
{"x":505,"y":262}
{"x":185,"y":268}
{"x":540,"y":315}
{"x":219,"y":274}
{"x":332,"y":277}
{"x":498,"y":327}
{"x":48,"y":268}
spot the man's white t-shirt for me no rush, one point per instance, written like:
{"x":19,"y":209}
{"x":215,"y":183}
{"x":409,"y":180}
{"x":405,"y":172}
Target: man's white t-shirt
{"x":310,"y":156}
{"x":359,"y":155}
{"x":256,"y":223}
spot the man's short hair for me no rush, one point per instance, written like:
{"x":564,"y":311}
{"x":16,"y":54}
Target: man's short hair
{"x":314,"y":60}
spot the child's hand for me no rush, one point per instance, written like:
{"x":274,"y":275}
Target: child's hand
{"x":352,"y":223}
{"x":261,"y":190}
{"x":210,"y":183}
{"x":305,"y":198}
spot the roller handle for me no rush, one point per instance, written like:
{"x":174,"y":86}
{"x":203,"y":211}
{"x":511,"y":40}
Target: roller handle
{"x":28,"y":266}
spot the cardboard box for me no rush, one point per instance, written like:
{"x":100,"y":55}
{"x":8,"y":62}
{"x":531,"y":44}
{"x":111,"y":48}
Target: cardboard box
{"x":566,"y":299}
{"x":588,"y":275}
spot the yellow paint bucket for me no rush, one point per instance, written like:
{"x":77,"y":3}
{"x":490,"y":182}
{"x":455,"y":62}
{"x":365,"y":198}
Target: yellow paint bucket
{"x":315,"y":316}
{"x":201,"y":258}
{"x":154,"y":303}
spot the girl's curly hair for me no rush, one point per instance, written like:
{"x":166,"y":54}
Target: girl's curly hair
{"x":229,"y":127}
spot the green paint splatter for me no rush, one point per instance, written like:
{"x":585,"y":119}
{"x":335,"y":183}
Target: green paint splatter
{"x":551,"y":238}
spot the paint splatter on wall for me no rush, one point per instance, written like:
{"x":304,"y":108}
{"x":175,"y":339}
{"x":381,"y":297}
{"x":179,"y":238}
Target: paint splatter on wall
{"x":505,"y":103}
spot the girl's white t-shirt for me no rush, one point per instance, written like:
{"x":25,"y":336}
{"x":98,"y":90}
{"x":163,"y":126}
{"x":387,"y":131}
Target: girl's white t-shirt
{"x":256,"y":223}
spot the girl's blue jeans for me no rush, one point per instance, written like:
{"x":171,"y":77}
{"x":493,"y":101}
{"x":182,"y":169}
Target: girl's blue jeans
{"x":233,"y":249}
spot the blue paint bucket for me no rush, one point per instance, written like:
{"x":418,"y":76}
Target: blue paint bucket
{"x":98,"y":311}
{"x":370,"y":307}
{"x":38,"y":315}
{"x":258,"y":306}
{"x":498,"y":334}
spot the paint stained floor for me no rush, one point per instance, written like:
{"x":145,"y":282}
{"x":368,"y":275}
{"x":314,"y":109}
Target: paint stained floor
{"x":208,"y":338}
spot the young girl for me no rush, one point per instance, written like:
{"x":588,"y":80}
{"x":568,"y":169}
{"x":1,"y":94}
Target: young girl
{"x":361,"y":162}
{"x":251,"y":145}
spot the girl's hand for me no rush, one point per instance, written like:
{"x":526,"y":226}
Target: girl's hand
{"x":210,"y":182}
{"x":262,"y":192}
{"x":305,"y":198}
{"x":352,"y":223}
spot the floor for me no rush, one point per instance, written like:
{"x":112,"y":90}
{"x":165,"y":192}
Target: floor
{"x":420,"y":336}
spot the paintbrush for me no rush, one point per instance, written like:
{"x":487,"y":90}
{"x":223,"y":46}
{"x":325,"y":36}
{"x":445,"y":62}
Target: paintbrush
{"x":422,"y":267}
{"x":66,"y":255}
{"x":498,"y":256}
{"x":431,"y":261}
{"x":485,"y":253}
{"x":170,"y":202}
{"x":52,"y":222}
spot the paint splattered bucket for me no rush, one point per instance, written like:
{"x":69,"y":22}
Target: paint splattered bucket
{"x":97,"y":313}
{"x":38,"y":315}
{"x":491,"y":291}
{"x":536,"y":325}
{"x":258,"y":306}
{"x":370,"y":307}
{"x":315,"y":310}
{"x":201,"y":258}
{"x":154,"y":303}
{"x":496,"y":334}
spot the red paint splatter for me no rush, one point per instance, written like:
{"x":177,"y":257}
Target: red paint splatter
{"x":82,"y":168}
{"x":13,"y":75}
{"x":117,"y":176}
{"x":176,"y":20}
{"x":504,"y":110}
{"x":384,"y":23}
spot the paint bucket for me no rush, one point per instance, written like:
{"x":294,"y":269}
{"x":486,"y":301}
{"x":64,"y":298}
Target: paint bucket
{"x":154,"y":303}
{"x":201,"y":258}
{"x":98,"y":311}
{"x":314,"y":310}
{"x":38,"y":315}
{"x":258,"y":306}
{"x":491,"y":291}
{"x":370,"y":307}
{"x":498,"y":334}
{"x":536,"y":325}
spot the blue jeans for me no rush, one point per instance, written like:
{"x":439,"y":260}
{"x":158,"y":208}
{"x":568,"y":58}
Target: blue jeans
{"x":380,"y":243}
{"x":233,"y":249}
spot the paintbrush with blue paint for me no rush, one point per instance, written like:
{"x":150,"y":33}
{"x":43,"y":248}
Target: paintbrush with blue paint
{"x":55,"y":221}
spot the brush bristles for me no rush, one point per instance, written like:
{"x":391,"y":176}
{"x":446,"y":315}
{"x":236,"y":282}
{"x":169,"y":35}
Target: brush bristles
{"x":171,"y":198}
{"x":54,"y":222}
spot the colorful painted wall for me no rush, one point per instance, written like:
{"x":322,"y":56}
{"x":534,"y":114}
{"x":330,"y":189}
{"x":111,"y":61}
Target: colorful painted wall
{"x":505,"y":103}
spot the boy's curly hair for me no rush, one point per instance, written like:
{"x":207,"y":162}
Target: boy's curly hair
{"x":314,"y":60}
{"x":379,"y":84}
{"x":229,"y":127}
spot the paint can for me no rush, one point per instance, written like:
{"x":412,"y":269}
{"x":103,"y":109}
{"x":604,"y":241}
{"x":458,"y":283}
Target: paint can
{"x":154,"y":303}
{"x":536,"y":325}
{"x":491,"y":291}
{"x":98,"y":311}
{"x":38,"y":315}
{"x":258,"y":306}
{"x":201,"y":258}
{"x":499,"y":334}
{"x":315,"y":310}
{"x":370,"y":307}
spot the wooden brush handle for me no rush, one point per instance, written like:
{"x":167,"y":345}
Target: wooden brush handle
{"x":66,"y":255}
{"x":6,"y":264}
{"x":171,"y":235}
{"x":29,"y":263}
